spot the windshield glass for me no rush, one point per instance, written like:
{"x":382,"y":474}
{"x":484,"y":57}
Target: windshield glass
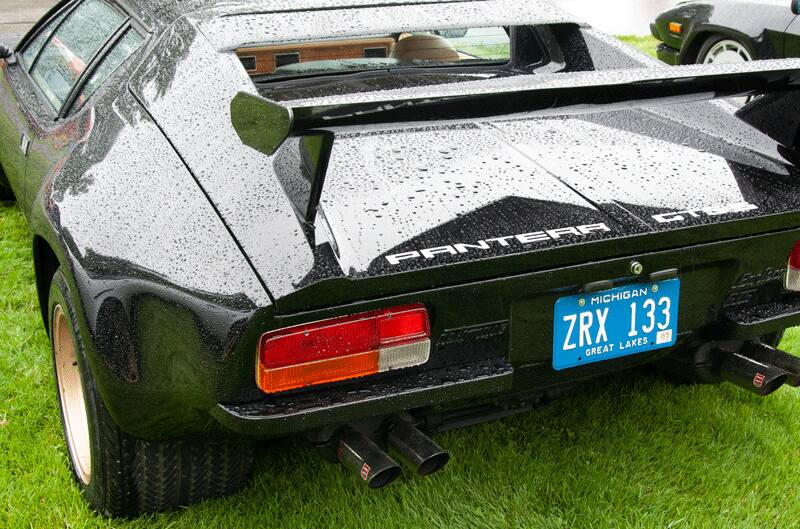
{"x":419,"y":49}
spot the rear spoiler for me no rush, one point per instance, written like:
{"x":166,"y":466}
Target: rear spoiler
{"x":265,"y":125}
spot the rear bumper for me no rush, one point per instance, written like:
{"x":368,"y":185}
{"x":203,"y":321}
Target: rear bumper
{"x":668,"y":55}
{"x":297,"y":413}
{"x":731,"y":290}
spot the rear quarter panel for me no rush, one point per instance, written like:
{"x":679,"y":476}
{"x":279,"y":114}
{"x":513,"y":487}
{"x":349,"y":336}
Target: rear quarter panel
{"x":165,"y":297}
{"x":191,"y":103}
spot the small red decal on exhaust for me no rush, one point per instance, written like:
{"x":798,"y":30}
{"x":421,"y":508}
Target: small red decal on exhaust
{"x":365,"y":472}
{"x":758,"y":380}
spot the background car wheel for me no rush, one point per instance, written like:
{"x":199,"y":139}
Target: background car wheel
{"x":120,"y":475}
{"x":721,"y":50}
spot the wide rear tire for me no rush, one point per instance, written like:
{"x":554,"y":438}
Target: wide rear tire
{"x":120,"y":475}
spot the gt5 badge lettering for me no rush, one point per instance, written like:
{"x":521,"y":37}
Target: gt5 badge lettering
{"x":712,"y":211}
{"x":509,"y":240}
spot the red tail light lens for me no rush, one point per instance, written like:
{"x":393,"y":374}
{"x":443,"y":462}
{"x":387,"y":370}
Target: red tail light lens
{"x":406,"y":326}
{"x":343,"y":348}
{"x":794,"y":257}
{"x":792,"y":280}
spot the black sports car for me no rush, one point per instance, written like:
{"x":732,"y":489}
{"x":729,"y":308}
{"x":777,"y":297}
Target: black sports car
{"x":727,"y":31}
{"x":360,"y":220}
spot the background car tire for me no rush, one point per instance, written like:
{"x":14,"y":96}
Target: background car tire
{"x":724,"y":50}
{"x":126,"y":476}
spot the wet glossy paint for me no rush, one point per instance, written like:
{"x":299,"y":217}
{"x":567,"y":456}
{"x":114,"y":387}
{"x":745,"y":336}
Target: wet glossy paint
{"x":183,"y":244}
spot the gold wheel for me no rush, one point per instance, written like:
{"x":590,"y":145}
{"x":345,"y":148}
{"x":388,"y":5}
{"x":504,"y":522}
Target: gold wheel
{"x":73,"y":400}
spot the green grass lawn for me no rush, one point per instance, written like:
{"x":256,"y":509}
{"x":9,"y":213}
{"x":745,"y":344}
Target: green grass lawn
{"x":646,"y":44}
{"x":623,"y":452}
{"x":627,"y":451}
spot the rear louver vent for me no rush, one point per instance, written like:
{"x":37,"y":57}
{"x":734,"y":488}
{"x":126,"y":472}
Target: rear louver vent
{"x":285,"y":59}
{"x":249,"y":63}
{"x":375,"y":53}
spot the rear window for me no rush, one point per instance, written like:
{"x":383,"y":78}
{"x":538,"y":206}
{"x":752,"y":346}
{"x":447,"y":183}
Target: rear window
{"x":418,"y":49}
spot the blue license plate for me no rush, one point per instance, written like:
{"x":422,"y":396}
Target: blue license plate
{"x":627,"y":320}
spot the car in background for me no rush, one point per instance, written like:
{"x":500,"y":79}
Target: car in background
{"x":724,"y":31}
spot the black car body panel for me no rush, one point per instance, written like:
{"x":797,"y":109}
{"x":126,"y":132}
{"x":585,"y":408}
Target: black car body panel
{"x":767,"y":28}
{"x":183,"y":244}
{"x":507,"y":313}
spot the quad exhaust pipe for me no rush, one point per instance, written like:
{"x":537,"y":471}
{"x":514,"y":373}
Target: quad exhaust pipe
{"x":765,"y":354}
{"x":360,"y":454}
{"x":760,"y":368}
{"x":753,"y":366}
{"x":754,"y":376}
{"x":416,"y":447}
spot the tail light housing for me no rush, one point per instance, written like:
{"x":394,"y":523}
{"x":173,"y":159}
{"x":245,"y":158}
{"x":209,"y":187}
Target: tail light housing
{"x":343,"y":348}
{"x":792,"y":281}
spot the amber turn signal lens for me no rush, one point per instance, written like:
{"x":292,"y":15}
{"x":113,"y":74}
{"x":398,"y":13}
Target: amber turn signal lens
{"x":676,"y":27}
{"x":320,"y":372}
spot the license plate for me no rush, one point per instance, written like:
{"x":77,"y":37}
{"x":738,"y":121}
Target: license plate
{"x":623,"y":321}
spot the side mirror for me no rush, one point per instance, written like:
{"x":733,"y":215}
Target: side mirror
{"x":796,"y":7}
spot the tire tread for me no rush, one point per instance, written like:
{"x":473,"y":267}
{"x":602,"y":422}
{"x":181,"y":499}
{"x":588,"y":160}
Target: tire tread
{"x":172,"y":474}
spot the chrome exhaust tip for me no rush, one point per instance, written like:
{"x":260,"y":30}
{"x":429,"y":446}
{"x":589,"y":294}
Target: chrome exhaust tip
{"x":776,"y":358}
{"x":756,"y":377}
{"x":358,"y":453}
{"x":416,"y":447}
